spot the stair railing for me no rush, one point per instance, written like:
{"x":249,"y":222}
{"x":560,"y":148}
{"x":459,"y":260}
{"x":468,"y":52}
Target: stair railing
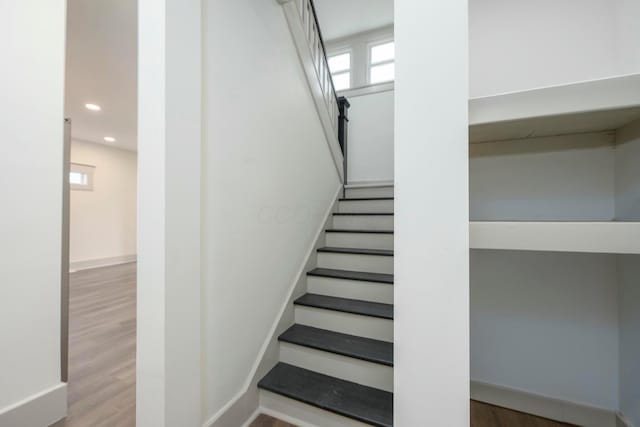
{"x":305,"y":29}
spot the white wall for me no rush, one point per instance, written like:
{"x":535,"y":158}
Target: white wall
{"x":628,"y":209}
{"x":169,"y":356}
{"x":370,"y":138}
{"x":627,"y":13}
{"x":627,"y":178}
{"x":519,"y":45}
{"x":103,"y":221}
{"x":556,"y":178}
{"x":546,"y":323}
{"x":629,"y":300}
{"x":431,"y":304}
{"x":268,"y":178}
{"x":32,"y":36}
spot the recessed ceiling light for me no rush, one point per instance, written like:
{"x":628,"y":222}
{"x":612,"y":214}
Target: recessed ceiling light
{"x":109,"y":139}
{"x":93,"y":107}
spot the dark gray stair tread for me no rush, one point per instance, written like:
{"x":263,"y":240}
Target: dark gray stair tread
{"x":346,"y":305}
{"x":358,"y":251}
{"x":364,"y":198}
{"x":343,"y":230}
{"x":334,"y":342}
{"x":363,"y":213}
{"x":352,"y":275}
{"x":362,"y":403}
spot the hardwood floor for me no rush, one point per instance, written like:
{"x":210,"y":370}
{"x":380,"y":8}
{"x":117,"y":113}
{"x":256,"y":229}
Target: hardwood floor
{"x":485,"y":415}
{"x":482,"y":415}
{"x":102,"y":348}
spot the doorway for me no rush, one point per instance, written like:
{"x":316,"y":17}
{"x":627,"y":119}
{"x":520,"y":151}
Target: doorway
{"x":99,"y":218}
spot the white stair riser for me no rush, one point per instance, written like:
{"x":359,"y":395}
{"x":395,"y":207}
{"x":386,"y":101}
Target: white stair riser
{"x":353,"y":289}
{"x":356,"y":262}
{"x":360,"y":240}
{"x":366,"y":206}
{"x":363,"y":222}
{"x":383,"y":191}
{"x":347,"y":323}
{"x":301,"y":414}
{"x":338,"y":366}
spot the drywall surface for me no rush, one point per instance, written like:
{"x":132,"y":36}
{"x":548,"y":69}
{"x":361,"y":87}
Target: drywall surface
{"x":628,"y":209}
{"x":629,"y":301}
{"x":546,"y":323}
{"x":32,"y":34}
{"x":556,"y":178}
{"x":627,"y":162}
{"x":431,"y":288}
{"x":103,"y":221}
{"x":518,"y":45}
{"x":370,"y":140}
{"x":627,"y":13}
{"x":268,"y":179}
{"x":168,"y":352}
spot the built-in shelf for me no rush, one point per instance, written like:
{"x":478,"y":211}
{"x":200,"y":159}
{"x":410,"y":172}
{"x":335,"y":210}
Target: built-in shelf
{"x":597,"y":237}
{"x":591,"y":106}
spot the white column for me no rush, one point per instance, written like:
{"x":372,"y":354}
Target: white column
{"x":169,"y":144}
{"x":431,"y":214}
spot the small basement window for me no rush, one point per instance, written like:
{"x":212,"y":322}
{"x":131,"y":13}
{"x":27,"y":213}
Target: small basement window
{"x":340,"y":67}
{"x":81,"y":177}
{"x":382,"y":65}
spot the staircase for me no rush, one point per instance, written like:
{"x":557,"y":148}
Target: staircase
{"x":336,"y":361}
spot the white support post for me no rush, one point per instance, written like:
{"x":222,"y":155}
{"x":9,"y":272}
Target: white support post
{"x":169,"y":145}
{"x":431,"y":214}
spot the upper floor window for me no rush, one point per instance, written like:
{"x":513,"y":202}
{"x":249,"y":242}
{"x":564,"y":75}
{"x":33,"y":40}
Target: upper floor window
{"x":340,"y":67}
{"x":381,"y":62}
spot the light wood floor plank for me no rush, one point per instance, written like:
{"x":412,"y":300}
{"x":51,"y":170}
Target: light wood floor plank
{"x":102,"y":348}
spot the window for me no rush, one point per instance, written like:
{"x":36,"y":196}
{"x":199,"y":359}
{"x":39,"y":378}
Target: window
{"x":382,"y":67}
{"x":81,"y":177}
{"x":340,"y":67}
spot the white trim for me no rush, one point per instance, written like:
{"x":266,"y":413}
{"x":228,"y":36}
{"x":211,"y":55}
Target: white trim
{"x":101,"y":262}
{"x":41,"y":409}
{"x":594,"y":237}
{"x":272,"y":330}
{"x":622,"y":421}
{"x":368,"y":89}
{"x":253,"y":417}
{"x":284,"y":417}
{"x":543,"y":406}
{"x":369,"y":184}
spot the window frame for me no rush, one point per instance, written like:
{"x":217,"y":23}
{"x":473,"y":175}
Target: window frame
{"x":337,"y":52}
{"x":84,"y":169}
{"x":370,"y":45}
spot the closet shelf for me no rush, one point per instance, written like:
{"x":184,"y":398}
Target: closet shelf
{"x":597,"y":237}
{"x":592,"y":106}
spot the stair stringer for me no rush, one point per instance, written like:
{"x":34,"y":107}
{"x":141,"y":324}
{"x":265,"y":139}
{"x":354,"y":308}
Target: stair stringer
{"x":244,"y":406}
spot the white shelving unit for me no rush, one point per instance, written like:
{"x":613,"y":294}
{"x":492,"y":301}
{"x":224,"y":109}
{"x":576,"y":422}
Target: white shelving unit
{"x":555,"y":238}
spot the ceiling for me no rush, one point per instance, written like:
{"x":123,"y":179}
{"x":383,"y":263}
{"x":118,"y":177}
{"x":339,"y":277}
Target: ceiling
{"x":102,"y":69}
{"x":339,"y":18}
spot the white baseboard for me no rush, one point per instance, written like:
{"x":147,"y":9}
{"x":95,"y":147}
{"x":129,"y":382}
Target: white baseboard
{"x":101,"y":262}
{"x":41,"y":409}
{"x":368,"y":184}
{"x":243,"y":405}
{"x":622,"y":421}
{"x":543,"y":406}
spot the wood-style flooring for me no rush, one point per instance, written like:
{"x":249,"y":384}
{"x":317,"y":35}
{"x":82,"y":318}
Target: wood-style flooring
{"x":482,"y":415}
{"x":102,"y":348}
{"x":102,"y":352}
